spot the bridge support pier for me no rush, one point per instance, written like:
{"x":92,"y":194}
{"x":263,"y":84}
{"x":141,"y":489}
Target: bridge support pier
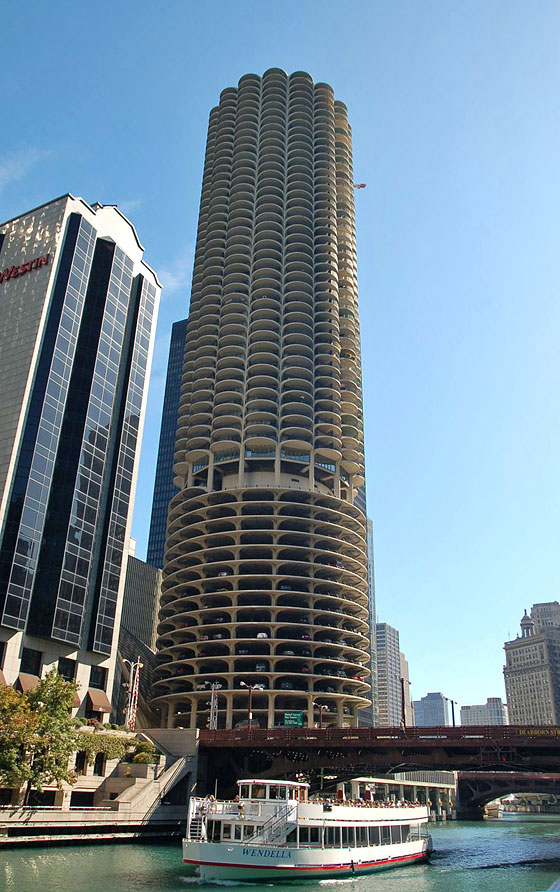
{"x":469,"y":811}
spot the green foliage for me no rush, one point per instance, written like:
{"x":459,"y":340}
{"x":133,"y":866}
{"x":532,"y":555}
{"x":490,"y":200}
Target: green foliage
{"x":17,"y":727}
{"x":145,"y":746}
{"x":38,"y":736}
{"x":145,"y":752}
{"x":54,"y":738}
{"x":37,"y":733}
{"x":145,"y":758}
{"x":114,"y":746}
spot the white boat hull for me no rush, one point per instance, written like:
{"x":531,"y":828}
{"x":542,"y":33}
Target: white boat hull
{"x":219,"y":861}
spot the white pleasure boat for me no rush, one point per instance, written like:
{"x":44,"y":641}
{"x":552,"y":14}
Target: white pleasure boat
{"x":274,"y":830}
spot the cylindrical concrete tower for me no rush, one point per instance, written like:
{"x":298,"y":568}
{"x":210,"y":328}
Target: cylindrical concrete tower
{"x":265,"y":588}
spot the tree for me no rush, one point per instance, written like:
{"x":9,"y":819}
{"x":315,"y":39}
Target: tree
{"x":37,"y":736}
{"x":54,"y":739}
{"x":17,"y":729}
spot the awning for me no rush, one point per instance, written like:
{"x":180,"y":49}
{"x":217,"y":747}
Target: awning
{"x":98,"y":700}
{"x":76,"y":701}
{"x":27,"y":682}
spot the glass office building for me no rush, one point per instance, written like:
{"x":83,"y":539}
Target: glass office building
{"x":76,"y":339}
{"x":164,"y":487}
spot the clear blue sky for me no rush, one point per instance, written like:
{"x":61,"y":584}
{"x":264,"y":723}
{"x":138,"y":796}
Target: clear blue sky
{"x":455,"y":110}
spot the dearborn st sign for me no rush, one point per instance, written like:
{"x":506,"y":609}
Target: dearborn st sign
{"x":15,"y":271}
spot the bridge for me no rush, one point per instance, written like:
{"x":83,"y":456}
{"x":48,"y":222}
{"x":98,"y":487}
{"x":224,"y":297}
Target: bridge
{"x":343,"y":753}
{"x":475,"y":789}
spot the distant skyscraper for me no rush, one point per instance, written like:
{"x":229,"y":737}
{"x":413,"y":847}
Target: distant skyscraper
{"x":141,"y":601}
{"x":360,"y":500}
{"x":369,"y":716}
{"x":164,"y":488}
{"x":137,"y":638}
{"x":388,"y":676}
{"x":532,"y":670}
{"x":493,"y":712}
{"x":265,"y":569}
{"x":431,"y":710}
{"x":405,"y":691}
{"x":76,"y":338}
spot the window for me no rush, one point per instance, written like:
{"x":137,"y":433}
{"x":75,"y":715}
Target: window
{"x":47,"y":797}
{"x":362,"y":836}
{"x":314,"y":836}
{"x":67,"y":668}
{"x":237,"y":831}
{"x":374,"y":836}
{"x":99,"y":765}
{"x":98,"y":678}
{"x":259,"y":791}
{"x":31,"y":661}
{"x":226,"y":831}
{"x":80,"y":765}
{"x":79,"y":799}
{"x":395,"y":835}
{"x":385,"y":836}
{"x":332,"y":836}
{"x":304,"y":836}
{"x":405,"y":828}
{"x":213,"y":831}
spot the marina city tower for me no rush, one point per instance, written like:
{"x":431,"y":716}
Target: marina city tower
{"x":265,"y":590}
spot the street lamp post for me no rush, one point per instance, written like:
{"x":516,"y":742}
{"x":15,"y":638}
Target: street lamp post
{"x":320,"y":707}
{"x":250,"y":688}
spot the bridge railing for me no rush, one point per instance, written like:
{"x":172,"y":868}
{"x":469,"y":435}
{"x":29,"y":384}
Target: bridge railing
{"x":462,"y":735}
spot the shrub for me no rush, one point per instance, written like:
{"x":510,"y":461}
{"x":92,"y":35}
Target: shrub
{"x":145,"y":746}
{"x":144,"y":758}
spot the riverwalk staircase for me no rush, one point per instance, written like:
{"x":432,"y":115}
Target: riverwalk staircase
{"x":134,"y":800}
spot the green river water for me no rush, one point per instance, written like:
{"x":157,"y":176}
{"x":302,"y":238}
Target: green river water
{"x":492,"y":856}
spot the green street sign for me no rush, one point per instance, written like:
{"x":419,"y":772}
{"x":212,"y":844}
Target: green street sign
{"x":293,"y":719}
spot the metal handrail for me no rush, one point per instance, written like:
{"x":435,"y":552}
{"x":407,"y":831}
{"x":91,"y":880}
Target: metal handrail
{"x":274,"y":823}
{"x":56,"y":808}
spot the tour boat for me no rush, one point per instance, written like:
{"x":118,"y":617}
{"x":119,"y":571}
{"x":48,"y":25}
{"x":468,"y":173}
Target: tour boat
{"x":273,"y":829}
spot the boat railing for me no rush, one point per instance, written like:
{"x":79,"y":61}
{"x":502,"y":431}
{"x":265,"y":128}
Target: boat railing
{"x":275,"y":828}
{"x":245,"y":808}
